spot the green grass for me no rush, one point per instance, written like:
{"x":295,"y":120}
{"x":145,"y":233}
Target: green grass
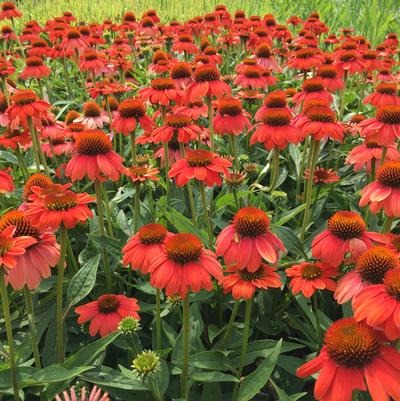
{"x":373,"y":18}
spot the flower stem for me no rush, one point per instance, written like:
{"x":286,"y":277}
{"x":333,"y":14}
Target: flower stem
{"x":136,"y":206}
{"x":232,"y":141}
{"x":210,"y":122}
{"x":107,"y":270}
{"x":21,"y":162}
{"x":166,"y":168}
{"x":302,"y":165}
{"x":10,"y":339}
{"x":32,"y":327}
{"x":133,"y":147}
{"x":59,"y":303}
{"x":206,"y":216}
{"x":191,"y":202}
{"x":275,"y":168}
{"x":314,"y":306}
{"x":308,"y":193}
{"x":245,"y":342}
{"x":186,"y":349}
{"x":158,"y":319}
{"x":229,"y":328}
{"x":387,"y":225}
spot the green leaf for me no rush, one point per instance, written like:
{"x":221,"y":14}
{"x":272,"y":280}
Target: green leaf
{"x":84,"y":357}
{"x":212,"y":377}
{"x":159,"y":380}
{"x":184,"y":225}
{"x":211,"y":360}
{"x":55,"y":373}
{"x":282,"y":396}
{"x":290,"y":240}
{"x":83,"y":281}
{"x":8,"y":157}
{"x":256,"y":380}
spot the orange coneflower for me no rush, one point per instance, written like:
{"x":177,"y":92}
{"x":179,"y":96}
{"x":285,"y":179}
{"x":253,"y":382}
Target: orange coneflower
{"x":243,"y":283}
{"x":201,"y":165}
{"x":184,"y":265}
{"x":346,"y":233}
{"x":106,"y":313}
{"x":248,"y":240}
{"x":35,"y":68}
{"x":162,"y":91}
{"x":6,"y":181}
{"x":385,"y":94}
{"x":145,"y":246}
{"x":92,"y":116}
{"x":94,"y":158}
{"x":353,"y":358}
{"x":231,"y":119}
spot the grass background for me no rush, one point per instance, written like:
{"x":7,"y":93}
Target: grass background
{"x":372,"y":18}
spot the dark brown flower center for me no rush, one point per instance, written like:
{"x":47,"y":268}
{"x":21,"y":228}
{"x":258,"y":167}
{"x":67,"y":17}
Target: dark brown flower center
{"x":252,"y":72}
{"x":389,"y":114}
{"x":251,"y":222}
{"x":178,"y":120}
{"x":327,"y":71}
{"x":91,"y":109}
{"x":251,"y":276}
{"x":22,"y":226}
{"x":206,"y":73}
{"x":181,"y":70}
{"x":313,"y":85}
{"x":131,"y":108}
{"x":23,"y":97}
{"x":321,"y":114}
{"x":263,"y":51}
{"x":162,"y":83}
{"x":183,"y":248}
{"x":152,"y":234}
{"x":392,"y":283}
{"x":346,"y":225}
{"x":231,"y":107}
{"x":351,"y":343}
{"x":311,"y":271}
{"x":373,"y":264}
{"x":58,"y":199}
{"x":73,"y":34}
{"x":93,"y":143}
{"x":276,"y":117}
{"x":199,"y":158}
{"x":389,"y":174}
{"x":386,"y":88}
{"x":108,"y":303}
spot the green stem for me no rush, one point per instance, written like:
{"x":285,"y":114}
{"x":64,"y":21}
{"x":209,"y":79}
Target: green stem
{"x":100,"y":214}
{"x":342,"y":96}
{"x":232,"y":141}
{"x":206,"y":216}
{"x":66,"y":73}
{"x":383,"y":157}
{"x":158,"y":320}
{"x":302,"y":165}
{"x":354,"y":396}
{"x":210,"y":122}
{"x":10,"y":339}
{"x":245,"y":342}
{"x":275,"y":168}
{"x":166,"y":168}
{"x":229,"y":328}
{"x":308,"y":193}
{"x":136,"y":206}
{"x":35,"y":149}
{"x":133,"y":147}
{"x":32,"y":327}
{"x":39,"y":150}
{"x":373,"y":170}
{"x":387,"y":225}
{"x":21,"y":162}
{"x":186,"y":348}
{"x":108,"y":212}
{"x":191,"y":202}
{"x":314,"y":306}
{"x":71,"y":256}
{"x":59,"y":303}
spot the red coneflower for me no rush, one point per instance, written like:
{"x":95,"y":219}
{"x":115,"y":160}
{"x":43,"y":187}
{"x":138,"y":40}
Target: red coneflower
{"x":162,"y":91}
{"x":130,"y":113}
{"x":34,"y":68}
{"x":363,"y":155}
{"x":352,"y":358}
{"x":181,"y":73}
{"x":384,"y":192}
{"x":201,"y":165}
{"x":183,"y":266}
{"x":309,"y":277}
{"x":348,"y":61}
{"x":265,"y":59}
{"x":321,"y":124}
{"x":379,"y":305}
{"x":248,"y":240}
{"x":276,"y":129}
{"x":305,"y":59}
{"x":346,"y":233}
{"x":178,"y":125}
{"x":26,"y":105}
{"x":322,"y":175}
{"x":142,"y":173}
{"x":33,"y":265}
{"x":145,"y":246}
{"x":6,"y":181}
{"x":57,"y":145}
{"x":35,"y":180}
{"x":73,"y":40}
{"x":12,"y":247}
{"x":242,"y":284}
{"x":251,"y":77}
{"x":385,"y":94}
{"x":94,"y":158}
{"x":194,"y":110}
{"x":274,"y":100}
{"x":184,"y":44}
{"x":370,"y":268}
{"x":230,"y":119}
{"x":330,"y":78}
{"x":56,"y":204}
{"x":312,"y":89}
{"x":212,"y":55}
{"x":92,"y":116}
{"x":9,"y":11}
{"x":106,"y":313}
{"x":93,"y":62}
{"x":207,"y":82}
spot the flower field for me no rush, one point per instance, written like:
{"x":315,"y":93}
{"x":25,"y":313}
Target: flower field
{"x":199,"y":208}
